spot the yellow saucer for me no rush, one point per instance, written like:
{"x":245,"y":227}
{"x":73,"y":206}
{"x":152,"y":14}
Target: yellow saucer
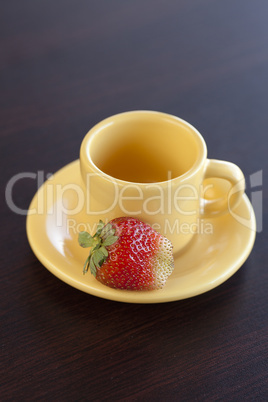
{"x":217,"y":251}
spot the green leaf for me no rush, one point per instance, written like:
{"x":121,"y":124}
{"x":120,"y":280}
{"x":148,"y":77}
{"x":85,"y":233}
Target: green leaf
{"x":85,"y":268}
{"x":85,"y":240}
{"x":106,"y":229}
{"x":111,"y":232}
{"x":102,"y":261}
{"x":97,"y":257}
{"x":109,"y":241}
{"x":93,"y":269}
{"x":98,"y":253}
{"x":104,"y":251}
{"x":101,"y":224}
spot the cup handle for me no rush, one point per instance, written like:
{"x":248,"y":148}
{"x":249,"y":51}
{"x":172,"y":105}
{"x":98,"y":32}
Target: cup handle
{"x":230,"y":172}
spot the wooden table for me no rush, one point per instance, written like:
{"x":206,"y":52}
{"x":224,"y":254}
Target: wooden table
{"x":65,"y":65}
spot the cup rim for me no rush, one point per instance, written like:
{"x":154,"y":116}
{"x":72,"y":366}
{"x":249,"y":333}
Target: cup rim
{"x":87,"y":162}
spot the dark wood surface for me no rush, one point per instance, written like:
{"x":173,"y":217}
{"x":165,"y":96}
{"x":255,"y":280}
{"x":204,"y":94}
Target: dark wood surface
{"x":65,"y":65}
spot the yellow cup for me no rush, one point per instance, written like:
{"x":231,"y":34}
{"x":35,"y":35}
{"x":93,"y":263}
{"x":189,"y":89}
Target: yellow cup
{"x":154,"y":166}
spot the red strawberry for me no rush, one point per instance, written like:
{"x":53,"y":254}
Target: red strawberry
{"x":128,"y":254}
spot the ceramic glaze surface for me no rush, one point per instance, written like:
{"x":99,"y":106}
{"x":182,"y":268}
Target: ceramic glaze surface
{"x":214,"y":254}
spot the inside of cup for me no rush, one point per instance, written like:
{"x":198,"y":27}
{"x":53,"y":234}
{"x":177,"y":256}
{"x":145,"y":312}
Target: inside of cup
{"x":144,"y":147}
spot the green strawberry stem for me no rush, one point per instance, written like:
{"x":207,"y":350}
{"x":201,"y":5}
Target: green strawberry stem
{"x":103,"y":238}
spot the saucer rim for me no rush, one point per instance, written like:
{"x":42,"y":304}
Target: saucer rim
{"x":141,"y":297}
